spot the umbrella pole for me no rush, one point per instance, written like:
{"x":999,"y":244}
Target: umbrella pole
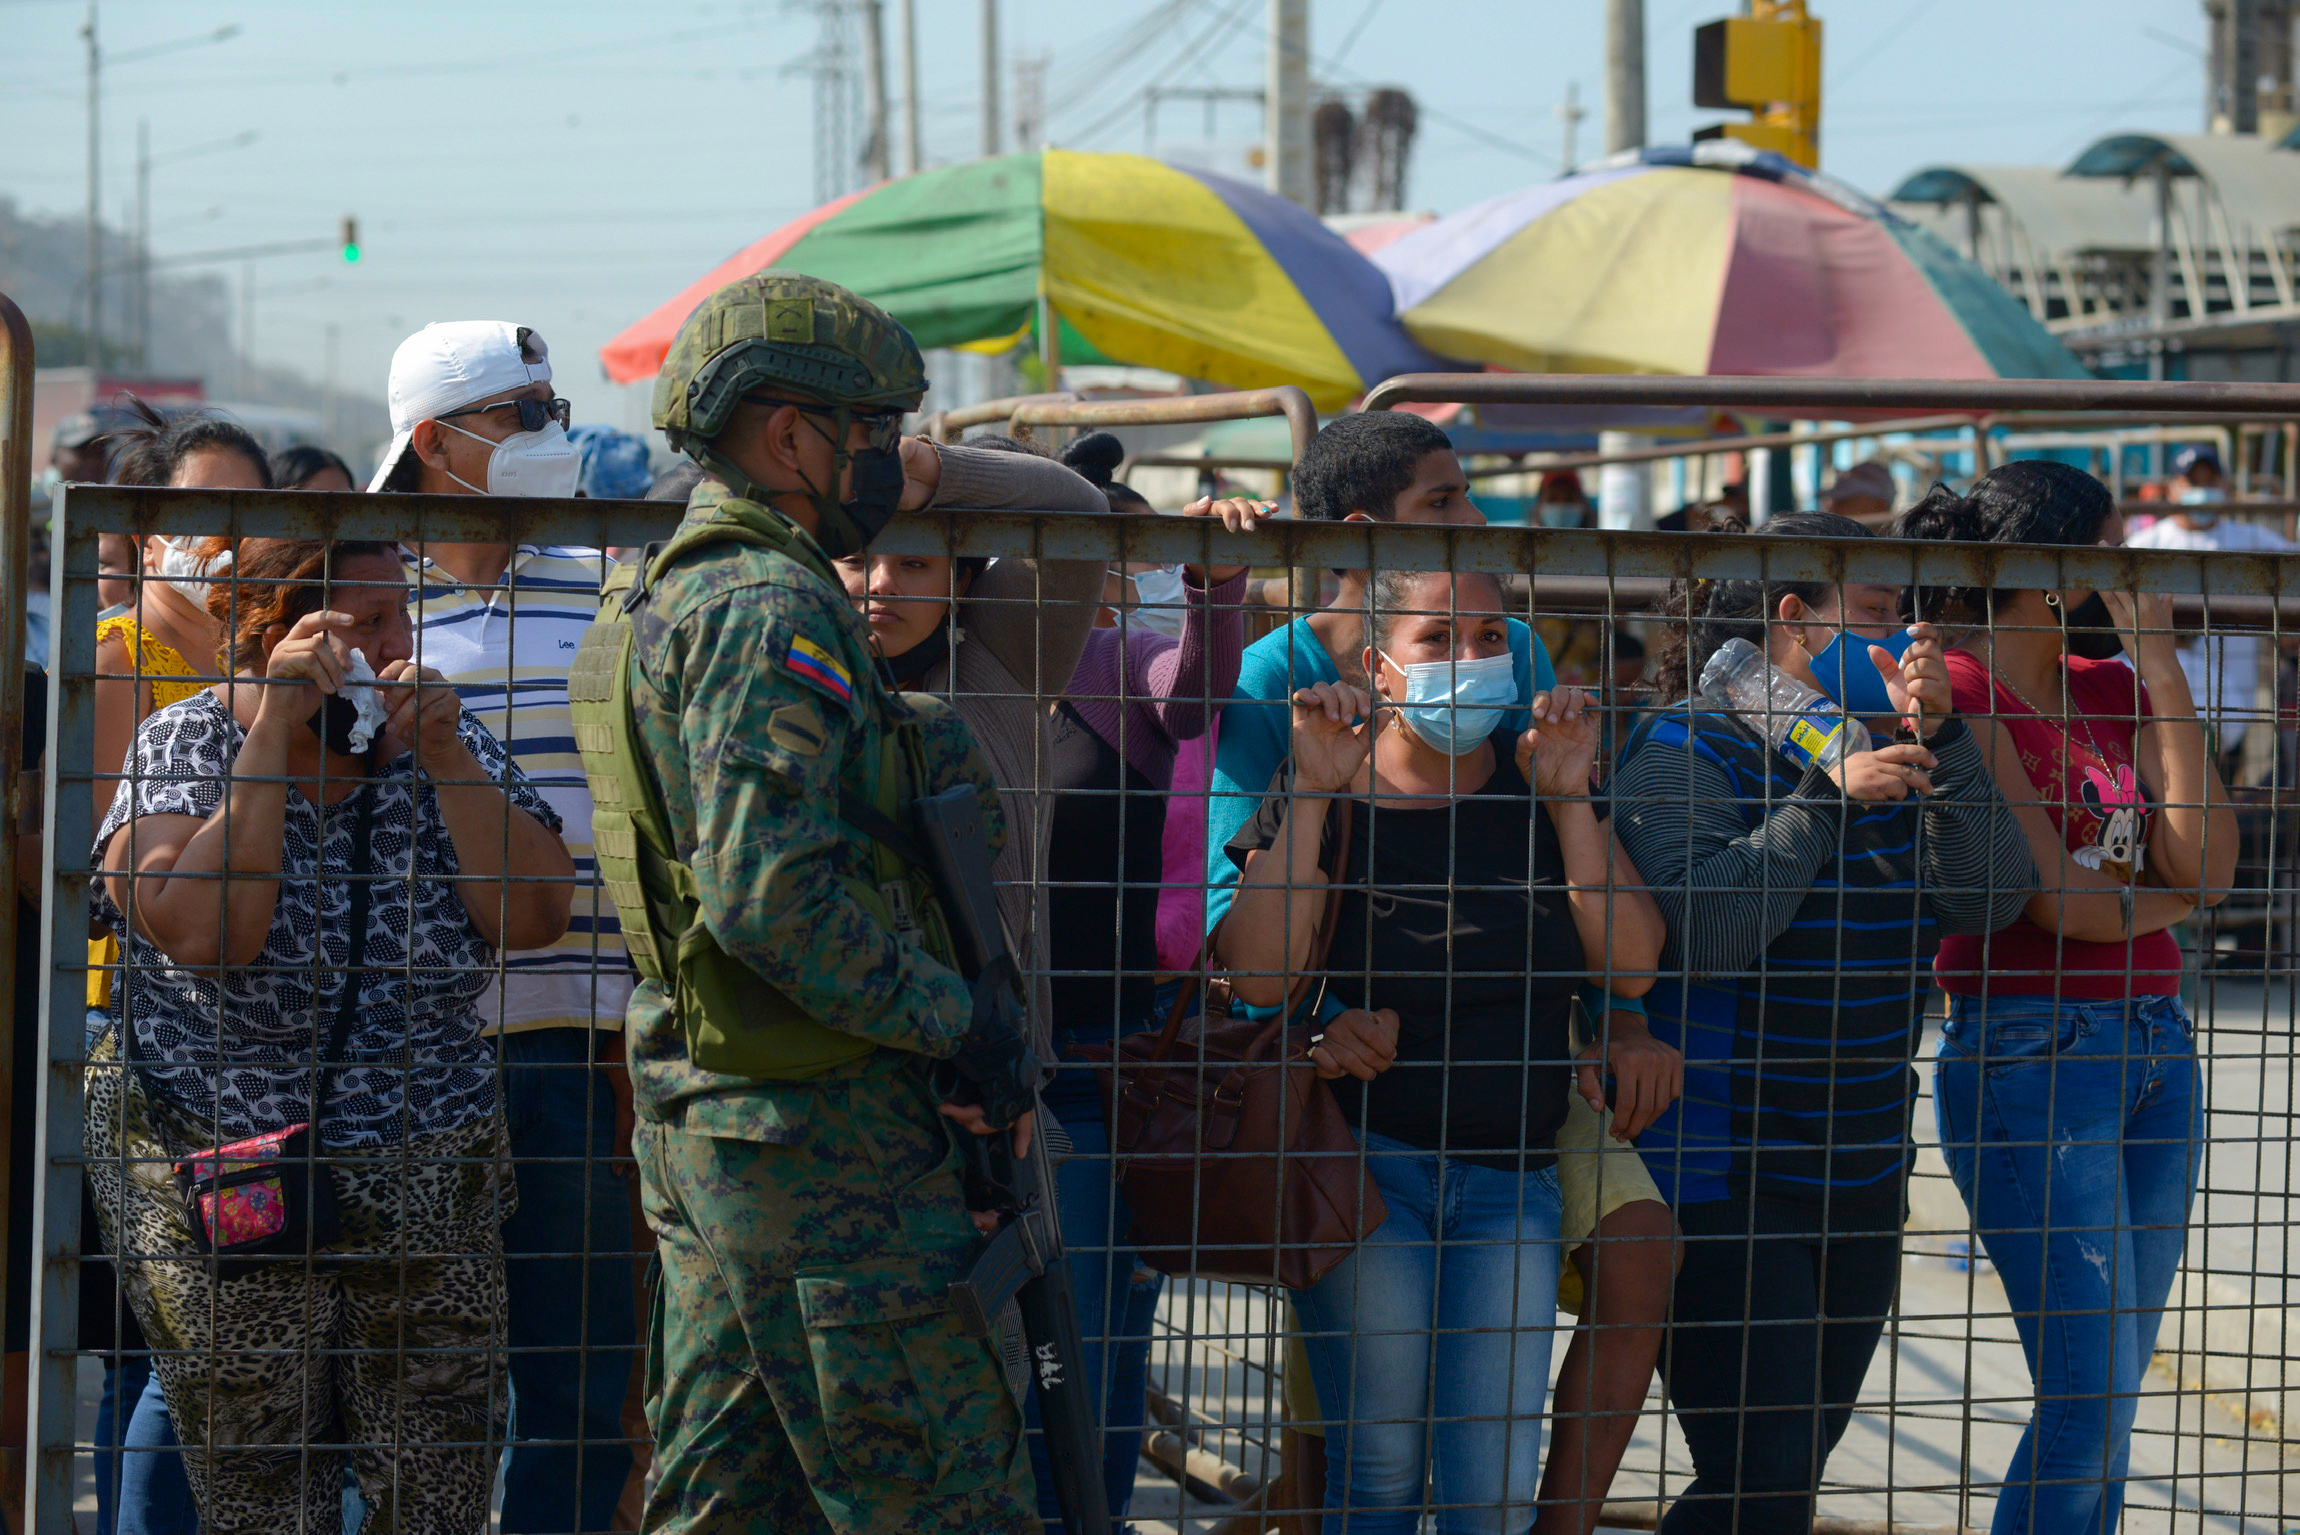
{"x":1049,"y":343}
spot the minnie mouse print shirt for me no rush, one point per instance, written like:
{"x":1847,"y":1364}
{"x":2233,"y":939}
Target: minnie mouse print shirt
{"x":2083,"y":769}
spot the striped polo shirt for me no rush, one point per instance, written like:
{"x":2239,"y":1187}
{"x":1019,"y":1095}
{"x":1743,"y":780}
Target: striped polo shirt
{"x":1802,"y":930}
{"x":507,"y":649}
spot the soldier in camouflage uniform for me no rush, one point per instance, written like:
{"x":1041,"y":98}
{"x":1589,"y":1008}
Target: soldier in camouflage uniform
{"x":806,"y":1371}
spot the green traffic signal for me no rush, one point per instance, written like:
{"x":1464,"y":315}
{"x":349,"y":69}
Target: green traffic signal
{"x":350,"y":238}
{"x":351,"y":253}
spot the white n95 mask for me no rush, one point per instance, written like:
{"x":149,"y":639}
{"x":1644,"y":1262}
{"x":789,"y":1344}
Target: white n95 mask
{"x":182,"y":568}
{"x":543,"y":463}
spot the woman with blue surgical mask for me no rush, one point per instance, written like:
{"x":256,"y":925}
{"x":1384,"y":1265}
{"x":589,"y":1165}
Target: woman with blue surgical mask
{"x":1804,"y":904}
{"x":1481,"y":888}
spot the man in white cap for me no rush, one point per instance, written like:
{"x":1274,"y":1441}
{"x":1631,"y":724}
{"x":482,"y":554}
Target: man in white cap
{"x":473,"y":413}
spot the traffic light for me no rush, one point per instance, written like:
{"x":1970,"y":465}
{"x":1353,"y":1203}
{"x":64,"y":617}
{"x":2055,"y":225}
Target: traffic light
{"x":350,"y":238}
{"x":1767,"y":63}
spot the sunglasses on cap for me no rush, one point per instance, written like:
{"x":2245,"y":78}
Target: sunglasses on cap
{"x":884,"y":426}
{"x":533,"y":414}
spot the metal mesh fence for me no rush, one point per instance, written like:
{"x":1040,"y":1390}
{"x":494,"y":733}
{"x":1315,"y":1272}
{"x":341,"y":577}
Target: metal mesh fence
{"x":1872,"y":1269}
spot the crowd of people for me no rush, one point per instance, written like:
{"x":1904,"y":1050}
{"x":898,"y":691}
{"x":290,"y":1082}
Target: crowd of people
{"x":472,"y":920}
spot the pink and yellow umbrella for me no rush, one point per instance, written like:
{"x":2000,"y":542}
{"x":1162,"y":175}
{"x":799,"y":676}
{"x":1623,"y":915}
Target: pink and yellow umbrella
{"x":1714,"y":259}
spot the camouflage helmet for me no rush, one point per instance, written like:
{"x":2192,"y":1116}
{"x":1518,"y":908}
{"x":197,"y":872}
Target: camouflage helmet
{"x":777,"y":330}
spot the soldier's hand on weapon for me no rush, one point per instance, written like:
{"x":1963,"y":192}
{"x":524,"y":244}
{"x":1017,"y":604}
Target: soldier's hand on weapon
{"x":311,"y":654}
{"x":997,"y":1071}
{"x":970,"y":1118}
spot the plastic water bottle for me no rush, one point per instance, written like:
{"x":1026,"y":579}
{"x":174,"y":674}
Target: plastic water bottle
{"x":1804,"y":726}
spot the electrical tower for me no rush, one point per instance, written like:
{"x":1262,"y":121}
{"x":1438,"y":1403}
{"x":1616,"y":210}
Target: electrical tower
{"x":834,"y":67}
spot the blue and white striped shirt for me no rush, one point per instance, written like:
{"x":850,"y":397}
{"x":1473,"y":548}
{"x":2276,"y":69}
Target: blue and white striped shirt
{"x":507,"y":648}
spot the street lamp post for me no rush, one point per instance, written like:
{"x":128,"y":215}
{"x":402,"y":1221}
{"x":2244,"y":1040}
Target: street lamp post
{"x":96,"y":63}
{"x":142,"y":263}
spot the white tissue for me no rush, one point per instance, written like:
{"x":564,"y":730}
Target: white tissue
{"x":364,"y":699}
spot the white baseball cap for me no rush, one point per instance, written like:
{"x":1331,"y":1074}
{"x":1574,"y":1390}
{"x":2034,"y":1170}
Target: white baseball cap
{"x":453,"y":363}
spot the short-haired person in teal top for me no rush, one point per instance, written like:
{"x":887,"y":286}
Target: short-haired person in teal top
{"x":1392,"y":466}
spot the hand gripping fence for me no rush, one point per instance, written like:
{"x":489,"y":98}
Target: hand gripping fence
{"x":1906,"y":1362}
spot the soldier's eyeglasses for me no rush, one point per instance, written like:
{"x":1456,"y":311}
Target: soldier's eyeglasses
{"x":533,"y":414}
{"x":884,"y":426}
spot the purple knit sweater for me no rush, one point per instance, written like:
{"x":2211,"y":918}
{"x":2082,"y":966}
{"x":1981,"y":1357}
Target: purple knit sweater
{"x":1167,"y":683}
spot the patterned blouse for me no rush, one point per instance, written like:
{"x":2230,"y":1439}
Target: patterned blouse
{"x":419,"y":1064}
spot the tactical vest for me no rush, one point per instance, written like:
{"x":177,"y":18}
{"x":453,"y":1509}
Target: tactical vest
{"x":734,"y":1019}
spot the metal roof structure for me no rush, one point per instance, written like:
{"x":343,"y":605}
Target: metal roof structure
{"x":2144,"y":238}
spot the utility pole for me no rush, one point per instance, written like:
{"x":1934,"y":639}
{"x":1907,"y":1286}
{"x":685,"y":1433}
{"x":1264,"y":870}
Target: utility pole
{"x":990,"y":134}
{"x":2244,"y":66}
{"x":1624,"y":75}
{"x":143,"y":328}
{"x":1624,"y":491}
{"x":1571,"y":115}
{"x":1030,"y":103}
{"x":913,"y":157}
{"x":247,"y":327}
{"x":327,"y":398}
{"x":878,"y":149}
{"x":95,"y":188}
{"x":1287,"y":168}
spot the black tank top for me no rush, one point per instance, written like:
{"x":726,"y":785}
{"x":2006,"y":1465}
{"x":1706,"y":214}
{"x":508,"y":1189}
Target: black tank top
{"x":1103,"y":866}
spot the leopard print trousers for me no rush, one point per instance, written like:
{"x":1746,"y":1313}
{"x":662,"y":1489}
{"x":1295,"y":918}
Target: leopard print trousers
{"x":388,"y":1352}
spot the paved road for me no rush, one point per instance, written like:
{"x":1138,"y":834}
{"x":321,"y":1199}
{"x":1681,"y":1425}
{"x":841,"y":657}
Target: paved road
{"x":1945,"y":1399}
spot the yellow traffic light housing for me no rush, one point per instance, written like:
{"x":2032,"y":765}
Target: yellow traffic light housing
{"x":1767,"y":63}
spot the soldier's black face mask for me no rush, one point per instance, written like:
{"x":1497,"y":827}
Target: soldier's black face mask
{"x":874,"y":488}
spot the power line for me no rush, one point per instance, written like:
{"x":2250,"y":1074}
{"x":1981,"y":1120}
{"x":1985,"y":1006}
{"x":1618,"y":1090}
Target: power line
{"x":1223,"y":22}
{"x":1891,"y":35}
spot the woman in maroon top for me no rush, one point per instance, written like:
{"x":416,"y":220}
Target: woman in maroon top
{"x":2067,"y":1089}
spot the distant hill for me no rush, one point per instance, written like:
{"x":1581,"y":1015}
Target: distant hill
{"x":42,"y":262}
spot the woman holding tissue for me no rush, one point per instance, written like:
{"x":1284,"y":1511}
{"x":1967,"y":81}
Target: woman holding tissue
{"x":311,"y":875}
{"x":1807,"y":871}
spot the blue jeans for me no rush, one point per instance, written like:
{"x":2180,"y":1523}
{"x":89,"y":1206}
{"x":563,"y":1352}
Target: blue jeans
{"x":1431,"y":1342}
{"x":141,"y":1488}
{"x":571,"y":1329}
{"x":1117,"y":1300}
{"x":2071,"y":1128}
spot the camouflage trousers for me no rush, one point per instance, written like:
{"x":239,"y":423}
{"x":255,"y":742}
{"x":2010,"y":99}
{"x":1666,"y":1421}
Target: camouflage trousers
{"x":392,"y":1345}
{"x":804,"y":1369}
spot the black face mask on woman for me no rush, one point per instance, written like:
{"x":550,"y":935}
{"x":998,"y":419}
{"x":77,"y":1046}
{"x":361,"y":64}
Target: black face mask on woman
{"x":333,"y":722}
{"x":2091,"y":630}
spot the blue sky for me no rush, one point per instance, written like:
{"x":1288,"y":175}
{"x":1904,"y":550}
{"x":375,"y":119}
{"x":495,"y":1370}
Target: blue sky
{"x":570,"y":165}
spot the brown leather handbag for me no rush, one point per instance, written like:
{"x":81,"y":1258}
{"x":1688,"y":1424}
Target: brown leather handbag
{"x":1231,"y":1150}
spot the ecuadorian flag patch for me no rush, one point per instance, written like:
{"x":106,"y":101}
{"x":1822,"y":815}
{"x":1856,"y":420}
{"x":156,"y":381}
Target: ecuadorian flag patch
{"x":818,"y":666}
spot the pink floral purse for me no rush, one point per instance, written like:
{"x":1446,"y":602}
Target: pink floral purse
{"x":269,"y":1197}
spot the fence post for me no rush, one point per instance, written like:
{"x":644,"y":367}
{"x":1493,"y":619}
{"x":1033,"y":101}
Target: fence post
{"x":15,"y":581}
